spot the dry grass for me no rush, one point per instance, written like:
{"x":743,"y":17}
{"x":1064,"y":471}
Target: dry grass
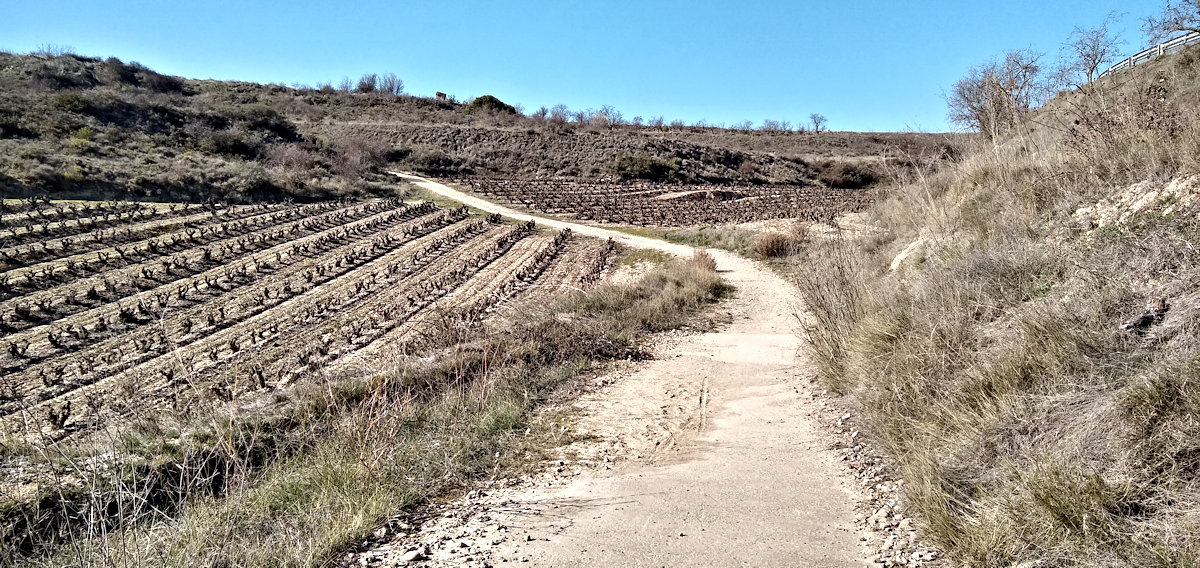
{"x":775,"y":244}
{"x":1031,"y":428}
{"x":299,"y":481}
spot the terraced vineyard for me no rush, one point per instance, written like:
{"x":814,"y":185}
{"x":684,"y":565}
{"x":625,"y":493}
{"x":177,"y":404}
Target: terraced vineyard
{"x":669,"y":205}
{"x":113,"y":310}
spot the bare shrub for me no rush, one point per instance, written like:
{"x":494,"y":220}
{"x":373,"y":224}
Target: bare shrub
{"x":54,"y":50}
{"x":390,"y":83}
{"x":292,"y":157}
{"x":995,"y":97}
{"x":774,"y":244}
{"x":354,"y":156}
{"x":818,"y":121}
{"x":842,"y":174}
{"x":1086,"y":51}
{"x":368,"y":83}
{"x":704,"y":259}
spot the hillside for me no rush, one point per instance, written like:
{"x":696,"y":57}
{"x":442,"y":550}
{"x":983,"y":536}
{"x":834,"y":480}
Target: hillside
{"x":74,"y":126}
{"x":1020,"y":328}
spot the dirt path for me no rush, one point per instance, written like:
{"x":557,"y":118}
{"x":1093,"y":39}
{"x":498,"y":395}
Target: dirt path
{"x":707,"y":455}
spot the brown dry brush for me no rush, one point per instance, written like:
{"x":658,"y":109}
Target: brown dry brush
{"x":1038,"y":415}
{"x":335,"y":457}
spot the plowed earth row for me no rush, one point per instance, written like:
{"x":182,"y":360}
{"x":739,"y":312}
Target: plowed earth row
{"x":193,"y":309}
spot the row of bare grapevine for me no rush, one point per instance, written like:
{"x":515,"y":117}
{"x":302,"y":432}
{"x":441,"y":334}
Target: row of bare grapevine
{"x":644,"y":203}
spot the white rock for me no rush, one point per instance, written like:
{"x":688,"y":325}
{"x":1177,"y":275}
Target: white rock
{"x":413,"y":555}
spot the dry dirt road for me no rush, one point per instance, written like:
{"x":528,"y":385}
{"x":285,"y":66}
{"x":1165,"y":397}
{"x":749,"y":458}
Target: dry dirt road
{"x":707,"y":455}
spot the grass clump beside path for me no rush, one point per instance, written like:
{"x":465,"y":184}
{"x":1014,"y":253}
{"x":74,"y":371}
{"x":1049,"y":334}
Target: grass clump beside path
{"x":361,"y":448}
{"x":1031,"y":361}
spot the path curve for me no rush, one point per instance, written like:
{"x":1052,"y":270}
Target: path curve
{"x":580,"y":228}
{"x":724,"y":462}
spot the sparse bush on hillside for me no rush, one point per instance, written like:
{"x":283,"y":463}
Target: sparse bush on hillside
{"x":354,"y":157}
{"x":263,"y":119}
{"x":12,"y":124}
{"x":367,"y":83}
{"x":156,"y":82}
{"x":642,"y":166}
{"x":62,"y":72}
{"x":489,"y":103}
{"x":292,"y":157}
{"x":229,"y":143}
{"x":841,"y":174}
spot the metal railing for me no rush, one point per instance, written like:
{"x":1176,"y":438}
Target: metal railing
{"x":1171,"y":46}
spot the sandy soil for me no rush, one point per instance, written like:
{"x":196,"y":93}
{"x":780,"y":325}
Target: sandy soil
{"x":708,"y":455}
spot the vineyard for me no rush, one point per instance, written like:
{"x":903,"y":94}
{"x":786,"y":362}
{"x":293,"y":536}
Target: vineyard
{"x":111,"y":310}
{"x":669,"y":205}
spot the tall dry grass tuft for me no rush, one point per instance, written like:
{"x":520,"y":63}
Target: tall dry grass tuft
{"x":1000,"y":361}
{"x":776,"y":244}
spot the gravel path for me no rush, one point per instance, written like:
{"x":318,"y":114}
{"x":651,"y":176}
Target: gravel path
{"x":707,"y":455}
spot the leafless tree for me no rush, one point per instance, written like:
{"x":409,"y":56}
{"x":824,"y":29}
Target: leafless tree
{"x":996,"y":96}
{"x":1086,"y":51}
{"x":559,"y":114}
{"x":818,"y":121}
{"x":368,"y":83}
{"x":390,"y":83}
{"x":345,"y":85}
{"x":607,"y":117}
{"x":1176,"y":17}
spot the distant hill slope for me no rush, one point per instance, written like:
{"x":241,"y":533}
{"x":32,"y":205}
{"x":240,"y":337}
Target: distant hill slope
{"x":74,"y":126}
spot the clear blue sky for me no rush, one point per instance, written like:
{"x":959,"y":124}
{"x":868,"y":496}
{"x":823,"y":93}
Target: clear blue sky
{"x":866,"y":65}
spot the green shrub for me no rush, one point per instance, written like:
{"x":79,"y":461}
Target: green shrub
{"x":86,"y":134}
{"x":491,"y":104}
{"x":644,"y":166}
